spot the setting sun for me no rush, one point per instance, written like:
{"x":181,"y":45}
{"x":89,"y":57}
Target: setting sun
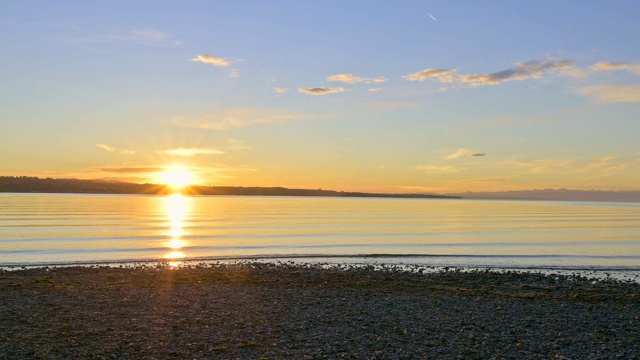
{"x":176,"y":177}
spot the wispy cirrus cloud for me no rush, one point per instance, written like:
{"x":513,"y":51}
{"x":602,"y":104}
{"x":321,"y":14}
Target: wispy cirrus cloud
{"x":188,"y":152}
{"x":613,"y":93}
{"x":280,"y":90}
{"x":444,"y":169}
{"x":462,"y":153}
{"x":114,"y":149}
{"x":239,"y":118}
{"x":131,"y":170}
{"x":542,"y":166}
{"x":582,"y":169}
{"x":442,"y":75}
{"x":235,"y":144}
{"x":212,"y":60}
{"x":352,"y":79}
{"x":612,"y":66}
{"x":321,"y":91}
{"x":140,"y":36}
{"x":520,"y":71}
{"x":391,"y":106}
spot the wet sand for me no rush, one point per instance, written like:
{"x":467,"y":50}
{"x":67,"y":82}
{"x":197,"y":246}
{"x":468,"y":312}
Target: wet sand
{"x":271,"y":311}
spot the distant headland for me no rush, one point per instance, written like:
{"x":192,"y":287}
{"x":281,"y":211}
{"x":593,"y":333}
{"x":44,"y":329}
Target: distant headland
{"x":27,"y":184}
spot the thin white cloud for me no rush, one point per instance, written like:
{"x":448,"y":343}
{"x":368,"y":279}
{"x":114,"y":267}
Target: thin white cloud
{"x":352,"y":79}
{"x":188,"y":152}
{"x":346,"y":78}
{"x":581,"y":169}
{"x":141,"y":36}
{"x":611,"y":66}
{"x":446,"y":169}
{"x":377,"y":80}
{"x":520,"y":71}
{"x":543,"y":166}
{"x":442,"y":75}
{"x":463,"y":152}
{"x":280,"y":90}
{"x":613,"y":93}
{"x":321,"y":91}
{"x":235,"y":144}
{"x":391,"y":106}
{"x":239,"y":117}
{"x":375,"y":89}
{"x":114,"y":149}
{"x":210,"y":59}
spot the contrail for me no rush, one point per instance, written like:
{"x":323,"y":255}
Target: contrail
{"x":431,"y":16}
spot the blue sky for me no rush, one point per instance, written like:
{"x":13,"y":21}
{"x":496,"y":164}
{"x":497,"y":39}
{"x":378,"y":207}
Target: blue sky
{"x":372,"y":96}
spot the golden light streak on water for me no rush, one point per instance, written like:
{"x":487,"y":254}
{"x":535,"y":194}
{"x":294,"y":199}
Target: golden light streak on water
{"x":176,"y":207}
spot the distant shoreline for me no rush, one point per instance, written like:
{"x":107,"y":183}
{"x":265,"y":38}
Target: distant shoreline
{"x":24,"y":184}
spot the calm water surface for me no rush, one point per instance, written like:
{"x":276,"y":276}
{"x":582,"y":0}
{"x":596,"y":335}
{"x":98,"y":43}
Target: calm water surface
{"x":62,"y":228}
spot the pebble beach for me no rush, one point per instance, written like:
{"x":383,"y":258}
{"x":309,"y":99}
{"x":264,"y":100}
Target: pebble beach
{"x":297,"y":311}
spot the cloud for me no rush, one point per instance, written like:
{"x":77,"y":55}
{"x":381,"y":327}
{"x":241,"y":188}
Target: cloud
{"x":437,"y":169}
{"x":583,"y":169}
{"x":611,"y":66}
{"x":210,"y":59}
{"x":613,"y":93}
{"x":187,"y":152}
{"x":375,"y":89}
{"x":442,"y":75}
{"x":391,"y":106}
{"x":141,"y":36}
{"x":235,"y":144}
{"x":279,"y":90}
{"x":113,"y":149}
{"x":129,"y":170}
{"x":320,"y":91}
{"x":239,"y":117}
{"x":543,"y":166}
{"x":463,"y":152}
{"x":352,"y":79}
{"x":520,"y":71}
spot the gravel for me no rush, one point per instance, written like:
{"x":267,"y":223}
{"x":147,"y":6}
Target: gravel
{"x":280,"y":310}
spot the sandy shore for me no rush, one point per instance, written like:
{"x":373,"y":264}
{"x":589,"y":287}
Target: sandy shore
{"x":276,"y":311}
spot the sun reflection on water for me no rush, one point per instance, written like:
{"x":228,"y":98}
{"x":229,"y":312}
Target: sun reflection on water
{"x":176,"y":207}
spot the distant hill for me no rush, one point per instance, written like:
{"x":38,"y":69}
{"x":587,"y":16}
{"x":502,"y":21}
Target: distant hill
{"x":25,"y":184}
{"x":556,"y":194}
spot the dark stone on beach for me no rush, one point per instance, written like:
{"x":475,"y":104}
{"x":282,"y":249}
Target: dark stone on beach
{"x":297,"y":311}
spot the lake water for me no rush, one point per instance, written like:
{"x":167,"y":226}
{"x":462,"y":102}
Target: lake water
{"x":69,"y":228}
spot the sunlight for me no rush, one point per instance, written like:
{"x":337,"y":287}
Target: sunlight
{"x":177,"y":177}
{"x":176,"y":209}
{"x":174,"y":258}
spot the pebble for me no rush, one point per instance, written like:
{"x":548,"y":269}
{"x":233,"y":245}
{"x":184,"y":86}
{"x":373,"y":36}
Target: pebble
{"x":304,"y":311}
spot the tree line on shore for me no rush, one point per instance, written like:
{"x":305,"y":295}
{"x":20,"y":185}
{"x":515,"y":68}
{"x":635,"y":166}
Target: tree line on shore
{"x":27,"y":184}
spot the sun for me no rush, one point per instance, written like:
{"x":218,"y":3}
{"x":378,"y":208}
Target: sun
{"x":176,"y":177}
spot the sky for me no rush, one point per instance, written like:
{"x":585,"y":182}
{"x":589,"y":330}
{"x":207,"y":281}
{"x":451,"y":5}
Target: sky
{"x":378,"y":96}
